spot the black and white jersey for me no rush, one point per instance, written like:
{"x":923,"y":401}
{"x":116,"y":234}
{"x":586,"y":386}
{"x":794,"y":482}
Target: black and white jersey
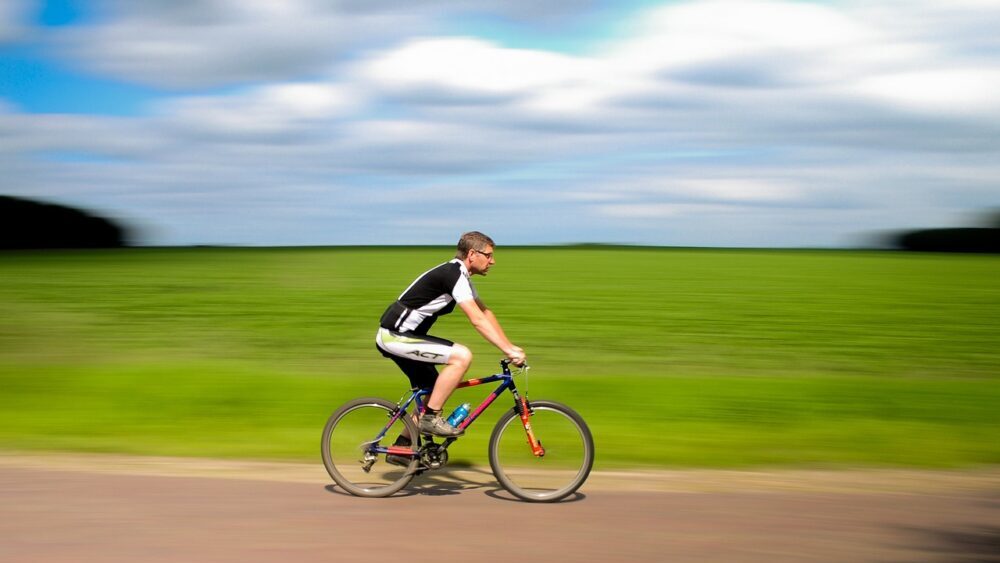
{"x":431,"y":295}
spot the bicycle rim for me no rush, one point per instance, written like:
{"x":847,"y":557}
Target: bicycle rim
{"x":347,"y":439}
{"x":569,"y":453}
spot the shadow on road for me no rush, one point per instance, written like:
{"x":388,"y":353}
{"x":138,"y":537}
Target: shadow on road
{"x":976,"y":544}
{"x":973,"y":543}
{"x":440,"y":482}
{"x":454,"y":481}
{"x":451,"y":481}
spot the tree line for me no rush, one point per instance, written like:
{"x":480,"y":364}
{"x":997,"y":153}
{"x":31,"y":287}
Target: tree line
{"x":959,"y":239}
{"x":27,"y":224}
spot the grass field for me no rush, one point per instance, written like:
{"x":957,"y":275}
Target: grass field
{"x":718,"y":358}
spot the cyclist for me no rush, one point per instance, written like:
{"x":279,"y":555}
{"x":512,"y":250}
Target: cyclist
{"x":402,"y":334}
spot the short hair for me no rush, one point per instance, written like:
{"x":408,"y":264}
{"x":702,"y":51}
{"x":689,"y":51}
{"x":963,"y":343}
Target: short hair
{"x":472,"y":240}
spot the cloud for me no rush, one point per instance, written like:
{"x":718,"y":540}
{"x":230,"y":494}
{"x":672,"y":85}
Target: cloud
{"x":677,"y":37}
{"x":209,"y":43}
{"x":77,"y":134}
{"x":14,"y":20}
{"x":472,"y":66}
{"x":266,"y":110}
{"x":953,"y":90}
{"x":708,"y":71}
{"x":729,"y":123}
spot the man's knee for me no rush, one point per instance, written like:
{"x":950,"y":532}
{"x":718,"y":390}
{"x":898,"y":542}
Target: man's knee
{"x":460,"y":355}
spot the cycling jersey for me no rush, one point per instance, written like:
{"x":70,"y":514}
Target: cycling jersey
{"x":402,"y":335}
{"x":431,"y":295}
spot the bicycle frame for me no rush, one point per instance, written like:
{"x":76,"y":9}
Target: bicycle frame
{"x":417,"y":396}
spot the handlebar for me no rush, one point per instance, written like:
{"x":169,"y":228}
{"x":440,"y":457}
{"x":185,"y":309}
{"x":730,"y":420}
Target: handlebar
{"x":506,"y":363}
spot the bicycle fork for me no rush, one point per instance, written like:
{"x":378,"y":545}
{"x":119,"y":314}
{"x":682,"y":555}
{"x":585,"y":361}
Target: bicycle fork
{"x":523,"y":409}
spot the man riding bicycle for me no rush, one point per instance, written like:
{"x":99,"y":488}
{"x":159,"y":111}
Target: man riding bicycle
{"x":402,"y":335}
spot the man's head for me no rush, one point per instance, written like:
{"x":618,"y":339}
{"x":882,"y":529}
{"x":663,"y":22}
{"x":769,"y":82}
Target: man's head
{"x":476,"y":250}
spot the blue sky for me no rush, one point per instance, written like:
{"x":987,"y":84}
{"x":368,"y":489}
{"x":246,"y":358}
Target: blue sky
{"x":695,"y":123}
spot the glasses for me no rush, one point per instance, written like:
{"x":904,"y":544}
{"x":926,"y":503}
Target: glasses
{"x":488,"y":255}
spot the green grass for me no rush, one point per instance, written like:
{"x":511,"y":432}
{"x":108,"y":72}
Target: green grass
{"x":718,"y":358}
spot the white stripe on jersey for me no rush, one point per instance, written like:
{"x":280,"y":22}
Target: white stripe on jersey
{"x":462,"y":292}
{"x":417,"y":316}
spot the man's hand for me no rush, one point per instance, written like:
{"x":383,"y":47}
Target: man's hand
{"x":517,"y":356}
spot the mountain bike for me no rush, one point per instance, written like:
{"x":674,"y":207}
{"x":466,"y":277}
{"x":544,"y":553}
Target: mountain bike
{"x":539,"y":451}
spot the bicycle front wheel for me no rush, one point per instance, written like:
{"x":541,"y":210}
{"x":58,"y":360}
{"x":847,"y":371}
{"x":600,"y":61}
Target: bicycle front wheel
{"x":569,"y":453}
{"x":350,"y":441}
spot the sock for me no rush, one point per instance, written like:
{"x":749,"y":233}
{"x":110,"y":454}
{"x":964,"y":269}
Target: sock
{"x":431,"y":412}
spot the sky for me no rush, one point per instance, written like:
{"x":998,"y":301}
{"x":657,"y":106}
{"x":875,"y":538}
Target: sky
{"x":334,"y":122}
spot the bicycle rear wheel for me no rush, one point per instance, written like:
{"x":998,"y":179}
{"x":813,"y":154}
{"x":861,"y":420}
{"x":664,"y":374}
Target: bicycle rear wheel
{"x":569,"y":453}
{"x":349,"y":439}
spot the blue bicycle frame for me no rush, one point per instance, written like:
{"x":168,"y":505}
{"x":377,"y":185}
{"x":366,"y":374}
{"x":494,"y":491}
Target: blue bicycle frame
{"x":417,"y":397}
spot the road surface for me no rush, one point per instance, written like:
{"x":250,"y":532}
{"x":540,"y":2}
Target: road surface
{"x":117,"y":509}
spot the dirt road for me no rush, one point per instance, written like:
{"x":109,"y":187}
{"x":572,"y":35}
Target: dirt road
{"x":111,"y":509}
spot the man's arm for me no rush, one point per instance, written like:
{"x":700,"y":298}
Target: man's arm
{"x":484,"y":321}
{"x":490,"y":317}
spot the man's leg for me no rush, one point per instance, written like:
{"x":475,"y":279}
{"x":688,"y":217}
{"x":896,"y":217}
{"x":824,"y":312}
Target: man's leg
{"x":449,"y":378}
{"x":417,"y":355}
{"x":431,"y":422}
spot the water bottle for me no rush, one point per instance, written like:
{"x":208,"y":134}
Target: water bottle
{"x":459,"y":415}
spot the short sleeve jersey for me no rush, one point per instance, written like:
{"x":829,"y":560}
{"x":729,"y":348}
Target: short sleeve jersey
{"x":431,"y":295}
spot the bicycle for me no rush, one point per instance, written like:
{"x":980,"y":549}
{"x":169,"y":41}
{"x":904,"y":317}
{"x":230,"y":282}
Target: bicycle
{"x":355,"y":457}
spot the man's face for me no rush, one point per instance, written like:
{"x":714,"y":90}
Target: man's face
{"x":481,"y":260}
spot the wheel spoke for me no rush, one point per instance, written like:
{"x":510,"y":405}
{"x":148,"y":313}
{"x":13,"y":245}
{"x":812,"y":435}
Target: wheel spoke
{"x":565,"y":465}
{"x":348,"y":448}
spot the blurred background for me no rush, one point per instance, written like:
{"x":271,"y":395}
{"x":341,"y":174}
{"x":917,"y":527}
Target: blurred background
{"x":693,"y":123}
{"x":719,"y":357}
{"x":244,"y":184}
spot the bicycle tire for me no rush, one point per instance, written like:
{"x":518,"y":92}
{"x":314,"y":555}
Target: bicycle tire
{"x":561,"y":471}
{"x":347,"y":433}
